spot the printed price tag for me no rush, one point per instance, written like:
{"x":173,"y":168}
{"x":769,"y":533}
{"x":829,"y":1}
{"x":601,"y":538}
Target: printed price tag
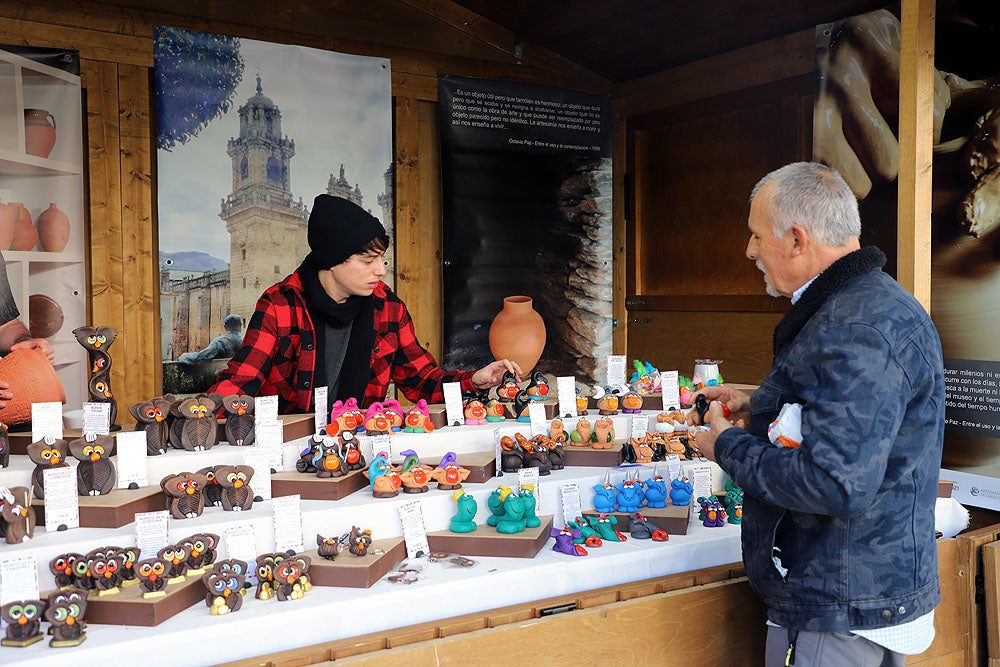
{"x":288,"y":523}
{"x":130,"y":448}
{"x":62,"y":504}
{"x":566,"y":386}
{"x":640,"y":426}
{"x":454,"y":410}
{"x":527,"y":479}
{"x":539,"y":425}
{"x":241,"y":542}
{"x":701,"y":481}
{"x":498,"y":450}
{"x":96,"y":418}
{"x":571,"y":508}
{"x":414,"y":533}
{"x":322,"y":415}
{"x":152,"y":531}
{"x":270,"y":438}
{"x":616,"y":369}
{"x":670,"y":390}
{"x":18,"y":579}
{"x":46,"y":420}
{"x":259,"y":459}
{"x":265,"y":409}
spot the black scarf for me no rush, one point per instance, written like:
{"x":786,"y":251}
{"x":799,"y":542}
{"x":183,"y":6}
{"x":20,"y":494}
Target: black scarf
{"x":359,"y":310}
{"x":838,"y":274}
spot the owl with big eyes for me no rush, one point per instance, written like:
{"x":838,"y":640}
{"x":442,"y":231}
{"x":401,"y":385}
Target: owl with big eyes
{"x":224,"y":591}
{"x":327,"y":547}
{"x":104,"y":565}
{"x":48,"y":452}
{"x":63,"y":568}
{"x":185,"y":499}
{"x":239,"y":420}
{"x":291,"y":578}
{"x":128,"y":556}
{"x":65,"y":611}
{"x":201,"y":549}
{"x":213,"y":491}
{"x":235,"y":482}
{"x":265,"y":568}
{"x":24,"y":622}
{"x":17,"y":516}
{"x":152,"y":576}
{"x":151,"y":417}
{"x":176,"y":557}
{"x":96,"y":474}
{"x":199,"y":430}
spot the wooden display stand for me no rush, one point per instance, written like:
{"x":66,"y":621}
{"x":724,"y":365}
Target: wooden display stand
{"x":128,"y":607}
{"x":673,"y":518}
{"x":311,"y":487}
{"x":482,"y":466}
{"x":350,"y":571}
{"x":486,"y":541}
{"x":112,"y":510}
{"x":595,"y":458}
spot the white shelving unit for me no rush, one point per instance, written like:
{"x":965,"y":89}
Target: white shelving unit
{"x":37,"y":182}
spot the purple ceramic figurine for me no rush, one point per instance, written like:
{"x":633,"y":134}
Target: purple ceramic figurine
{"x":565,"y":541}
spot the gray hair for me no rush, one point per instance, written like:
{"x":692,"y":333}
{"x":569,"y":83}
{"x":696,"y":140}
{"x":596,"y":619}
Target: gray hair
{"x":815,"y":197}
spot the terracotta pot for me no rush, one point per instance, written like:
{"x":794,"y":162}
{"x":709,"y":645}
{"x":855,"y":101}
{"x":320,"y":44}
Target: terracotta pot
{"x":518,"y":333}
{"x":39,"y":132}
{"x":8,"y":220}
{"x":53,"y":229}
{"x":32,"y":380}
{"x":25,"y":234}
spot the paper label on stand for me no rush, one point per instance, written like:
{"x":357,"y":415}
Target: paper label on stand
{"x":673,"y":467}
{"x":539,"y":425}
{"x":265,"y":409}
{"x":527,"y":479}
{"x":639,"y":426}
{"x":288,"y":523}
{"x":18,"y":579}
{"x":130,"y":450}
{"x":498,"y":450}
{"x":379,"y":444}
{"x":616,"y":369}
{"x":62,"y":504}
{"x":566,"y":386}
{"x":152,"y":531}
{"x":241,"y":542}
{"x":96,"y":418}
{"x":260,"y":460}
{"x":571,"y":508}
{"x":454,"y":409}
{"x":700,"y":477}
{"x":46,"y":420}
{"x":670,"y":390}
{"x":269,"y":436}
{"x":414,"y":533}
{"x":320,"y":403}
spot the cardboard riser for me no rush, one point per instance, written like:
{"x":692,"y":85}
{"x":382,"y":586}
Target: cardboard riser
{"x":481,"y":466}
{"x":486,"y":541}
{"x":673,"y":518}
{"x":350,"y":571}
{"x":588,"y":456}
{"x":112,"y":510}
{"x":311,"y":487}
{"x":128,"y":607}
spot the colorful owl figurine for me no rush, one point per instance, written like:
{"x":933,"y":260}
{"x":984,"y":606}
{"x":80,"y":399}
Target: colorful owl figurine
{"x":96,"y":474}
{"x":17,"y":516}
{"x":152,"y":576}
{"x":291,"y":578}
{"x":201,"y":551}
{"x":103,"y":565}
{"x":224,"y":594}
{"x":185,"y":494}
{"x":175,"y":558}
{"x":62,"y":569}
{"x":47,"y":453}
{"x":24,"y":622}
{"x":151,"y":417}
{"x":65,"y":611}
{"x":239,"y":420}
{"x":235,"y":482}
{"x":96,"y":342}
{"x":199,"y":429}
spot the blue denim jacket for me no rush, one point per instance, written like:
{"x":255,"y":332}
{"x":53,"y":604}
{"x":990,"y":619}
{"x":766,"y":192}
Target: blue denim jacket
{"x":850,"y":513}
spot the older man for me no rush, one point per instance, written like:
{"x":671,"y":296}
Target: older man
{"x":838,"y":530}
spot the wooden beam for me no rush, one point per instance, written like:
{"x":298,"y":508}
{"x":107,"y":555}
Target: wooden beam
{"x":916,"y":132}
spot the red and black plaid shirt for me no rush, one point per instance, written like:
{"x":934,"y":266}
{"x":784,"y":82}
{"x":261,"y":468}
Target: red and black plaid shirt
{"x":278,"y":356}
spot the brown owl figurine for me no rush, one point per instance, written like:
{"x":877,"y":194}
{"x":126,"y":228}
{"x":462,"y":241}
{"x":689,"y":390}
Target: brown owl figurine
{"x":97,"y":341}
{"x":327,"y":547}
{"x":199,"y":430}
{"x":65,"y":611}
{"x":24,"y":622}
{"x":48,"y":452}
{"x":213,"y":492}
{"x":96,"y":474}
{"x":151,"y":417}
{"x":16,"y":514}
{"x":359,"y":541}
{"x":104,"y":566}
{"x":224,"y":591}
{"x":62,"y":568}
{"x":175,"y":557}
{"x":185,"y":491}
{"x":129,"y":557}
{"x":151,"y":573}
{"x":235,"y":482}
{"x":291,"y":579}
{"x":239,"y":420}
{"x":201,"y":548}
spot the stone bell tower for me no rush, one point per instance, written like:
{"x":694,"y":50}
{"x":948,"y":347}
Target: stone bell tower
{"x":267,"y":228}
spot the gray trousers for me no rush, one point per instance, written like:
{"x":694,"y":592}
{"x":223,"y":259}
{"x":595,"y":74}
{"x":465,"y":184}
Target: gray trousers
{"x":828,"y":649}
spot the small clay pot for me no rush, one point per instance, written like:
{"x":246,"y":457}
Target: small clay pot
{"x":32,"y":380}
{"x":25,"y":234}
{"x":39,"y":132}
{"x":53,"y":229}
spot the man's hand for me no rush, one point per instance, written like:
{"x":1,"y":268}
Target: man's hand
{"x":5,"y":393}
{"x":491,"y":375}
{"x":37,"y":344}
{"x":735,"y":400}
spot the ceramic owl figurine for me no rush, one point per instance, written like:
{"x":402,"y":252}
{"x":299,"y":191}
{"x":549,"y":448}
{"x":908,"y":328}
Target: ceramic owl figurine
{"x":327,"y":547}
{"x":65,"y":611}
{"x":17,"y":516}
{"x":175,"y":557}
{"x":199,"y":429}
{"x":212,"y":491}
{"x":97,"y":341}
{"x":104,"y":566}
{"x":224,"y":591}
{"x":201,"y":550}
{"x":152,"y":417}
{"x":63,"y":567}
{"x":239,"y":420}
{"x":185,"y":494}
{"x":129,"y":557}
{"x":96,"y":474}
{"x":151,"y":573}
{"x":291,"y":578}
{"x":4,"y":446}
{"x":24,"y":622}
{"x":48,"y":452}
{"x":235,"y":482}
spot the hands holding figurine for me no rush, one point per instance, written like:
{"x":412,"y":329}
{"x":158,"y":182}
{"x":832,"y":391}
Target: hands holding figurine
{"x":491,"y":374}
{"x":735,"y":401}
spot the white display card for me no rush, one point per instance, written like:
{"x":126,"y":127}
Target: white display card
{"x":498,"y":450}
{"x":260,"y":460}
{"x":46,"y":419}
{"x":320,"y":403}
{"x":670,"y":390}
{"x":566,"y":388}
{"x":639,"y":426}
{"x":414,"y":533}
{"x":269,"y":436}
{"x":527,"y":478}
{"x":616,"y":369}
{"x":571,"y":508}
{"x":131,"y":453}
{"x":265,"y":409}
{"x":454,"y":410}
{"x":288,"y":523}
{"x":701,"y":481}
{"x":241,"y":542}
{"x":18,"y":579}
{"x":380,"y":443}
{"x":539,"y":425}
{"x":152,"y":531}
{"x":369,"y":451}
{"x":673,"y":462}
{"x":96,"y":418}
{"x":62,"y":504}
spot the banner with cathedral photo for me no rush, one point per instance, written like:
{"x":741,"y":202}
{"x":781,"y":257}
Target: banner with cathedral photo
{"x":248,"y":133}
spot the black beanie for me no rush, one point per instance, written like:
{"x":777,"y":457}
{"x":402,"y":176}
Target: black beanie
{"x":338,"y":228}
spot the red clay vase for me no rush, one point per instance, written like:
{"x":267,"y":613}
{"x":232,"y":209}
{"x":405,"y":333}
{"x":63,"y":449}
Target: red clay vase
{"x":25,"y":234}
{"x":53,"y":229}
{"x":32,"y":380}
{"x":8,"y":219}
{"x":39,"y":132}
{"x":518,"y":333}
